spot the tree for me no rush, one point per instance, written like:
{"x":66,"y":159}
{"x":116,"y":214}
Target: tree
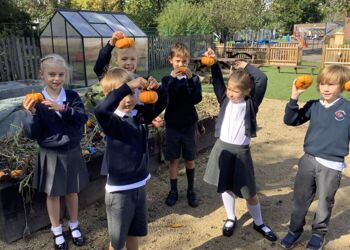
{"x":99,"y":5}
{"x":179,"y":17}
{"x":143,"y":12}
{"x":10,"y":13}
{"x":335,"y":10}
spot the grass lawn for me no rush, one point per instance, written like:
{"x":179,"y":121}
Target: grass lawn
{"x":279,"y":84}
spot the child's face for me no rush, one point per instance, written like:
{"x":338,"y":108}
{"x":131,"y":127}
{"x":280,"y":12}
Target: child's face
{"x":234,"y":93}
{"x":54,"y":75}
{"x":179,"y":61}
{"x":127,"y":59}
{"x":330,"y":91}
{"x":128,"y":103}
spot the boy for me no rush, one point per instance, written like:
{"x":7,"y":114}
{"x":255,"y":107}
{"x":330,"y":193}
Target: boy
{"x":184,"y":91}
{"x":126,"y":154}
{"x":326,"y":144}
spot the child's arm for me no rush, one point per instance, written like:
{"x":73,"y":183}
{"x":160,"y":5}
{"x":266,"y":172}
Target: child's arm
{"x":31,"y":122}
{"x":218,"y":82}
{"x":294,"y":116}
{"x":194,"y":88}
{"x":104,"y":57}
{"x":260,"y":80}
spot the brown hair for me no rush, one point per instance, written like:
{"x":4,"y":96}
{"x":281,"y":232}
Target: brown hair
{"x":336,"y":74}
{"x":114,"y":78}
{"x":243,"y":80}
{"x":179,"y":49}
{"x":54,"y":58}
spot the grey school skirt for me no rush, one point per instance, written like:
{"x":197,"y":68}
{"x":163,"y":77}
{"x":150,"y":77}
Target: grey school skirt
{"x":230,"y":167}
{"x":60,"y":173}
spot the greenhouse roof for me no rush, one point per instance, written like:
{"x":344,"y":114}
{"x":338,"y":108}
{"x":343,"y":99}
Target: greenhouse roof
{"x":101,"y":24}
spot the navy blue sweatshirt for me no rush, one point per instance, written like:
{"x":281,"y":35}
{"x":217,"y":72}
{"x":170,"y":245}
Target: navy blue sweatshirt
{"x":329,"y":130}
{"x":126,"y":153}
{"x":252,"y":102}
{"x":102,"y":62}
{"x":182,"y":96}
{"x":54,"y":132}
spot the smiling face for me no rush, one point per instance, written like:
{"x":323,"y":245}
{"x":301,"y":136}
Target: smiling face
{"x":127,"y":59}
{"x":128,"y":103}
{"x":53,"y":73}
{"x":179,"y":61}
{"x":330,"y":91}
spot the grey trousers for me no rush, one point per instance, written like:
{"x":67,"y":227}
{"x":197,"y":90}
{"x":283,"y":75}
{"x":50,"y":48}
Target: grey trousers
{"x":313,"y":177}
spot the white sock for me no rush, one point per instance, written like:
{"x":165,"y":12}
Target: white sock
{"x":255,"y":212}
{"x":228,"y":198}
{"x":72,"y":225}
{"x":57,"y":231}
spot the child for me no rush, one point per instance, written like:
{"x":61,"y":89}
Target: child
{"x":326,"y":144}
{"x":230,"y":165}
{"x":184,"y":91}
{"x":57,"y":124}
{"x":126,"y":154}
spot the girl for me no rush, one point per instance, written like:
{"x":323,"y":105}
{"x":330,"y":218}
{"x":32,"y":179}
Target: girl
{"x":57,"y":123}
{"x":230,"y":165}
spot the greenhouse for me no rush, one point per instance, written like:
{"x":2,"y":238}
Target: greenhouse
{"x":79,"y":35}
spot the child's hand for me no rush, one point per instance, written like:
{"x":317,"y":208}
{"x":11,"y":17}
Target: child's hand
{"x":158,"y":122}
{"x":177,"y":72}
{"x":53,"y":105}
{"x":209,"y":53}
{"x":115,"y":36}
{"x":138,"y":82}
{"x":296,"y":92}
{"x":152,"y":83}
{"x":28,"y":104}
{"x":240,"y":64}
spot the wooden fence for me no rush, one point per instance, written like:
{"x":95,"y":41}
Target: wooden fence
{"x":159,"y":48}
{"x":281,"y":53}
{"x":19,"y":58}
{"x":336,"y":54}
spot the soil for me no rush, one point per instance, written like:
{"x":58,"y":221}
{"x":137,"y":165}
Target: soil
{"x":275,"y":152}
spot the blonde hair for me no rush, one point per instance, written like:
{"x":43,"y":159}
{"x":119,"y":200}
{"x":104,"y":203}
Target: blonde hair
{"x":179,"y":49}
{"x":55,"y":58}
{"x":114,"y":78}
{"x":243,"y":80}
{"x":336,"y":74}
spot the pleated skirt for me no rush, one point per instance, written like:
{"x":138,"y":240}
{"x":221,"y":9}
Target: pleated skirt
{"x":60,"y":173}
{"x":230,"y":168}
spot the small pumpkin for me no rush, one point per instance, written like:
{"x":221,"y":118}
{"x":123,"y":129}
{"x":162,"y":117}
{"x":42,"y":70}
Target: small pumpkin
{"x":125,"y":42}
{"x":207,"y":60}
{"x":4,"y":175}
{"x":183,"y":69}
{"x":148,"y":96}
{"x":16,"y":173}
{"x":303,"y":81}
{"x":37,"y":97}
{"x":85,"y":152}
{"x":347,"y":86}
{"x":90,"y":123}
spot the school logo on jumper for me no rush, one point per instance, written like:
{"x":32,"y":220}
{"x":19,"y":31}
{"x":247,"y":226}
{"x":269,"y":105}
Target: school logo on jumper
{"x":340,"y":115}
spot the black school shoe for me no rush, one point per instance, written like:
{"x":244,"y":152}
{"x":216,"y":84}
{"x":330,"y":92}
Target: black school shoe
{"x":78,"y":241}
{"x":172,"y":198}
{"x":288,"y":242}
{"x":316,"y":242}
{"x":228,"y":231}
{"x":192,"y":198}
{"x":271,"y":236}
{"x":63,"y":246}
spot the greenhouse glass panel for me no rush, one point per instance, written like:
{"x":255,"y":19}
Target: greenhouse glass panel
{"x":92,"y":47}
{"x":71,"y":32}
{"x":142,"y":53}
{"x":79,"y":23}
{"x":103,"y":29}
{"x":115,"y":25}
{"x":126,"y":21}
{"x":46,"y":45}
{"x":47,"y":31}
{"x":76,"y":62}
{"x":58,"y":26}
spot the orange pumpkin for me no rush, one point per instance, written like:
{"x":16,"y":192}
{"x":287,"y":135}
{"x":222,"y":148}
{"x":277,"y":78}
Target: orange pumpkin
{"x":183,"y":69}
{"x":207,"y":60}
{"x":4,"y":175}
{"x":347,"y":86}
{"x":303,"y":81}
{"x":16,"y":173}
{"x":125,"y":42}
{"x":37,"y":97}
{"x":148,"y":96}
{"x":90,"y":123}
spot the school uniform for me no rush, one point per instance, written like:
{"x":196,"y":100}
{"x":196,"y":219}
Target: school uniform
{"x":230,"y":165}
{"x":181,"y":116}
{"x":61,"y":167}
{"x":126,"y":163}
